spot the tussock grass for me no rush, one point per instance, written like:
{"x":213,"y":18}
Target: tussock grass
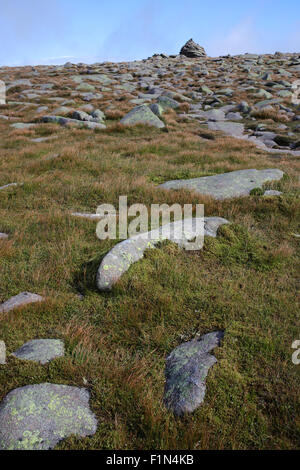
{"x":273,"y":115}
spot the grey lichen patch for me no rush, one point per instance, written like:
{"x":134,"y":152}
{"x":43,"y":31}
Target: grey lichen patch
{"x":227,"y":185}
{"x":142,"y":115}
{"x":186,"y":371}
{"x":37,"y":417}
{"x":41,"y":350}
{"x":20,"y":300}
{"x":124,"y":254}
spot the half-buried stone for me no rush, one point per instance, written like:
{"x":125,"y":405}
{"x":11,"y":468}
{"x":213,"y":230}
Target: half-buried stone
{"x":124,"y":254}
{"x":22,"y":125}
{"x":20,"y":300}
{"x":142,"y":115}
{"x":186,"y":370}
{"x":167,"y":103}
{"x":272,"y":192}
{"x":234,"y":129}
{"x":66,"y":121}
{"x":234,"y":184}
{"x":41,"y":350}
{"x":2,"y":353}
{"x":37,"y":417}
{"x":8,"y":186}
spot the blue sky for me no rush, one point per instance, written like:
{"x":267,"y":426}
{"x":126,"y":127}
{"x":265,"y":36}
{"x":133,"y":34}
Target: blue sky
{"x":41,"y":32}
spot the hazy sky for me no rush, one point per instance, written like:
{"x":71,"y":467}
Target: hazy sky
{"x":57,"y":31}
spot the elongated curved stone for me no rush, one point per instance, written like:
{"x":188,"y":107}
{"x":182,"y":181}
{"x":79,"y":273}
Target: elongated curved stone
{"x":37,"y":417}
{"x":234,"y":184}
{"x":19,"y":301}
{"x":142,"y":115}
{"x":41,"y":350}
{"x":124,"y":254}
{"x":8,"y":185}
{"x":186,"y":371}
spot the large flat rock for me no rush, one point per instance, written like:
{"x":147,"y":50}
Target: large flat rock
{"x":37,"y":417}
{"x":227,"y":185}
{"x":20,"y":300}
{"x":186,"y":371}
{"x":124,"y":254}
{"x":233,"y":129}
{"x":41,"y":350}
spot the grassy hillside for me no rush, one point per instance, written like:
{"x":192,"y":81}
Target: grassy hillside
{"x":243,"y":282}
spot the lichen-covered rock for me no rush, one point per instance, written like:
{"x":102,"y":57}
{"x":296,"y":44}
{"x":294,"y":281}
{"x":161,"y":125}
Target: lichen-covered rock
{"x":63,"y":121}
{"x":167,"y":103}
{"x":124,"y":254}
{"x":186,"y":370}
{"x":207,"y":91}
{"x":19,"y":301}
{"x":156,"y":109}
{"x":81,"y":116}
{"x":142,"y":115}
{"x":192,"y":49}
{"x":41,"y":350}
{"x":85,"y":87}
{"x":37,"y":417}
{"x":272,"y":192}
{"x":234,"y":116}
{"x":234,"y":184}
{"x":98,"y":115}
{"x":94,"y":77}
{"x":234,"y":129}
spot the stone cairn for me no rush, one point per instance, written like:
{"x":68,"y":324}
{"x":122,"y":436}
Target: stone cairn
{"x":192,"y":49}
